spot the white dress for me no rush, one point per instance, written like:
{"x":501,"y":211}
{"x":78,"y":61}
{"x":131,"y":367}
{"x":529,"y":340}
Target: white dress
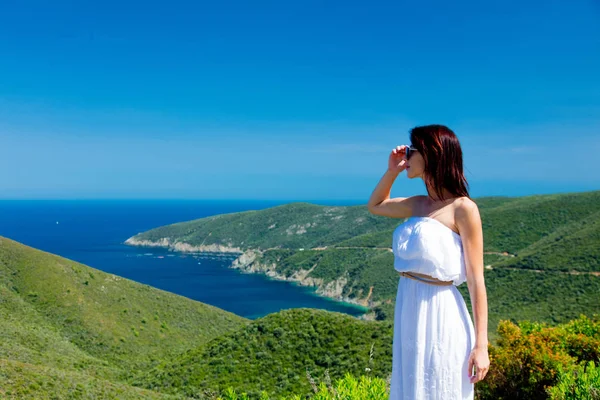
{"x":433,"y":331}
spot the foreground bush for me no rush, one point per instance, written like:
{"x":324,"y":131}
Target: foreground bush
{"x":531,"y":358}
{"x":347,"y":388}
{"x":582,"y":384}
{"x":530,"y":361}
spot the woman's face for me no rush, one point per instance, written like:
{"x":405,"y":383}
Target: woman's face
{"x":415,"y":165}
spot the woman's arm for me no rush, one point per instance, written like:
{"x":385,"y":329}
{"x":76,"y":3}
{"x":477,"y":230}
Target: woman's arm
{"x":380,"y":203}
{"x":468,"y":221}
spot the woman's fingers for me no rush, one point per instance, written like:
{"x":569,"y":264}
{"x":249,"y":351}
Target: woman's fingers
{"x":398,"y":149}
{"x":470,"y":367}
{"x":484,"y":372}
{"x":473,"y":370}
{"x":475,"y":378}
{"x":481,"y":373}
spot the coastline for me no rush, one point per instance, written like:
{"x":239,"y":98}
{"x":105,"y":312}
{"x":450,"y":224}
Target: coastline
{"x":246,"y":263}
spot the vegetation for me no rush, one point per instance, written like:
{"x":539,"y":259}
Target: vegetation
{"x":535,"y":361}
{"x":71,"y":331}
{"x":523,"y":237}
{"x":272,"y":354}
{"x":60,"y":319}
{"x":582,"y":384}
{"x":510,"y":225}
{"x":28,"y":381}
{"x":531,"y":361}
{"x":346,"y":388}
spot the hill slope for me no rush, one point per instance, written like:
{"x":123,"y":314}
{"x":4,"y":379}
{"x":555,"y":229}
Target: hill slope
{"x":345,"y":252}
{"x":272,"y":354}
{"x":68,"y":319}
{"x":27,"y":381}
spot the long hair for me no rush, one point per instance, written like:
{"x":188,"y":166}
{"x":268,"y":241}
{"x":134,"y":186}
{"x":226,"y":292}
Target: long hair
{"x":441,"y":151}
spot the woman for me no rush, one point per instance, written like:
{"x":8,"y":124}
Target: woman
{"x":437,"y":352}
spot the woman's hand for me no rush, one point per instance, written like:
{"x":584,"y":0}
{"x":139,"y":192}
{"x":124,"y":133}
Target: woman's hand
{"x":480,"y":359}
{"x":397,"y":160}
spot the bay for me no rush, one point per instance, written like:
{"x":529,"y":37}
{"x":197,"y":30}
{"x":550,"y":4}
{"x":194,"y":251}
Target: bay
{"x":92,"y":232}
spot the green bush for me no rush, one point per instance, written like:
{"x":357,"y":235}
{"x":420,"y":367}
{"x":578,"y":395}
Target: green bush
{"x":531,"y":358}
{"x":583,"y":383}
{"x":346,"y":388}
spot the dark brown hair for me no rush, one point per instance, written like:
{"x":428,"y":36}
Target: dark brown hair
{"x":441,"y":151}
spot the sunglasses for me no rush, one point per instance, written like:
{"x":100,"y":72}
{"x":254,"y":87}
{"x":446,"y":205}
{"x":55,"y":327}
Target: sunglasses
{"x":409,"y":151}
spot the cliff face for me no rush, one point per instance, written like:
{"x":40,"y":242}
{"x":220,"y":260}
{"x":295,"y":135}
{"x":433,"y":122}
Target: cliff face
{"x":248,"y":262}
{"x":182,"y":247}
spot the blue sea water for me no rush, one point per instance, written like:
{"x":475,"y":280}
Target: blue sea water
{"x":93,"y":231}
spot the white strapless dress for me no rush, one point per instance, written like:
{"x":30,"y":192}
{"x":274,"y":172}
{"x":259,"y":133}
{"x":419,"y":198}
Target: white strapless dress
{"x":433,"y":330}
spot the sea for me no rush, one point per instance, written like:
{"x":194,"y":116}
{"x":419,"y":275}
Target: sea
{"x":93,"y":232}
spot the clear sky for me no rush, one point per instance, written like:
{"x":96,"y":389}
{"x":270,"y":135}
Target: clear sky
{"x":293,"y":99}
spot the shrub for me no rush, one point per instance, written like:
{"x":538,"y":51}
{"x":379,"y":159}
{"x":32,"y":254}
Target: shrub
{"x":530,"y":358}
{"x":581,"y":384}
{"x":347,"y":388}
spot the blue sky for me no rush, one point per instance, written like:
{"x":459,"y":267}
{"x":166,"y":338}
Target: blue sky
{"x":293,"y":100}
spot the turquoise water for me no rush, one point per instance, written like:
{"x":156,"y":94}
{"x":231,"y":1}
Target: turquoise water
{"x":93,"y":232}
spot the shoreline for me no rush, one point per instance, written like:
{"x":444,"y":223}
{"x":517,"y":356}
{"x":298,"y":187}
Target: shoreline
{"x":245,"y":263}
{"x":313,"y":292}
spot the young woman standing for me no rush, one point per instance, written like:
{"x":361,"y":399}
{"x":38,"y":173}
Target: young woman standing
{"x":437,"y":351}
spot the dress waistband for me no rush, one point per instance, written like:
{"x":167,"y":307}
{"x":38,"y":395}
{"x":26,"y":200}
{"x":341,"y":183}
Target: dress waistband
{"x":418,"y":278}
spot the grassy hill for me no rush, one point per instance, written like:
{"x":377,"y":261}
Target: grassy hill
{"x":346,"y":252}
{"x":532,"y":361}
{"x":71,"y":331}
{"x":279,"y":355}
{"x":62,"y":319}
{"x":30,"y":381}
{"x":273,"y":354}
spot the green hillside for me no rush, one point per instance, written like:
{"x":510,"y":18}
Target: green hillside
{"x":71,"y":331}
{"x":28,"y":381}
{"x":277,"y":353}
{"x":346,"y":252}
{"x":273,"y":354}
{"x":294,"y":225}
{"x":574,"y":246}
{"x":60,"y":318}
{"x":532,"y":361}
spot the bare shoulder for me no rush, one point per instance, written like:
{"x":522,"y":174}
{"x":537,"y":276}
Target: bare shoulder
{"x":466,"y":214}
{"x":465,"y":204}
{"x":398,"y":207}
